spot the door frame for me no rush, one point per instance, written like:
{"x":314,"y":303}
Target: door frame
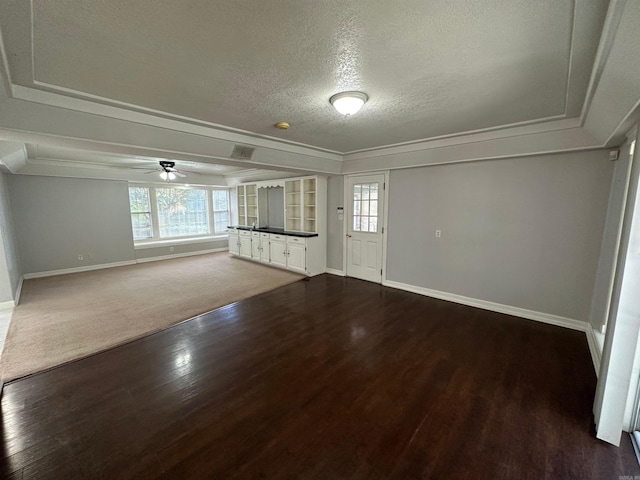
{"x":385,"y":221}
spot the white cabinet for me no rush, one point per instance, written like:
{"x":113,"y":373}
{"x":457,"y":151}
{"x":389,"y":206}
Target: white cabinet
{"x":302,"y":254}
{"x":300,"y":204}
{"x":289,"y":252}
{"x":234,"y":242}
{"x":264,"y":247}
{"x":247,"y":205}
{"x":245,"y":243}
{"x":302,"y":210}
{"x":296,"y":254}
{"x":260,"y":246}
{"x":278,"y":250}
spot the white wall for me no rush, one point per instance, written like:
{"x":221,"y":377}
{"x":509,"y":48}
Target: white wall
{"x":56,"y":219}
{"x":335,"y":227}
{"x":610,"y":240}
{"x":10,"y":271}
{"x":523,"y":232}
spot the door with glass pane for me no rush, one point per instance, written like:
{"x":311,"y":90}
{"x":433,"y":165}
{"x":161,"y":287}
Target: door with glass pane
{"x":364,"y":227}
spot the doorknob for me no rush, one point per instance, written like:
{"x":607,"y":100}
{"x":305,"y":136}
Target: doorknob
{"x":348,"y":235}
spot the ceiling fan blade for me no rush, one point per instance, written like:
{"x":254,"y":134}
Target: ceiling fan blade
{"x":178,"y":173}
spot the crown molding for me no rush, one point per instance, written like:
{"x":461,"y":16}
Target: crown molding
{"x":505,"y":131}
{"x":607,"y":37}
{"x":6,"y":86}
{"x":32,"y":122}
{"x":522,"y":145}
{"x":13,"y":156}
{"x":71,"y":169}
{"x":74,"y":100}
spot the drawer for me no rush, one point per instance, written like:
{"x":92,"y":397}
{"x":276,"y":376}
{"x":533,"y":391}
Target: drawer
{"x":244,"y":233}
{"x":232,"y":231}
{"x":296,"y":240}
{"x":264,"y":235}
{"x":275,"y":236}
{"x":255,"y":234}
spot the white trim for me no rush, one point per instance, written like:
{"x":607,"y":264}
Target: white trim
{"x":385,"y":225}
{"x":494,"y":307}
{"x":7,"y":305}
{"x":520,"y":129}
{"x":5,"y":73}
{"x":87,"y":268}
{"x":607,"y":38}
{"x":334,"y":271}
{"x":178,"y":255}
{"x":70,"y":99}
{"x":220,"y":237}
{"x":594,"y":348}
{"x":385,"y":214}
{"x":16,"y":300}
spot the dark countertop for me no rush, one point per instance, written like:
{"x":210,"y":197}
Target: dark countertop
{"x":279,"y":231}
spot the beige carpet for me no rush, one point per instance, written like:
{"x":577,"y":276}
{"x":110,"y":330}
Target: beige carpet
{"x":67,"y":317}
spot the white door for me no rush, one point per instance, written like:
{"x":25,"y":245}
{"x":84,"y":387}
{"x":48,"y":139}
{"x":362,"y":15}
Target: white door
{"x":278,"y":252}
{"x":264,"y":247}
{"x":245,"y":245}
{"x":234,"y":248}
{"x":296,"y":254}
{"x":364,"y":226}
{"x":255,"y":247}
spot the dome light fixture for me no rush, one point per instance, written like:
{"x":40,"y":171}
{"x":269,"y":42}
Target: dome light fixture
{"x":348,"y":103}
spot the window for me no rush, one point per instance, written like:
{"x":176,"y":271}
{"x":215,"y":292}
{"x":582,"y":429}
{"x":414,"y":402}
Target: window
{"x":182,"y":212}
{"x":140,"y":212}
{"x":169,"y":212}
{"x":365,"y":207}
{"x":220,"y":210}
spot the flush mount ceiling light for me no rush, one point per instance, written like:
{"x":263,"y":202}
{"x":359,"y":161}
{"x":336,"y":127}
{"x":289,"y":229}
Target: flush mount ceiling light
{"x":348,"y":103}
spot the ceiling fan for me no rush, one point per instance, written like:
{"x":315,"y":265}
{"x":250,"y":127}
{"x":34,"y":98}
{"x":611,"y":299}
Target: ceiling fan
{"x":168,"y":170}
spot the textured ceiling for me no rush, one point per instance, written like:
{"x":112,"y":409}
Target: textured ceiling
{"x":430,"y":68}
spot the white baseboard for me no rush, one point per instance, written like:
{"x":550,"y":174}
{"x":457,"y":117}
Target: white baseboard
{"x":594,"y":348}
{"x":7,"y":305}
{"x":178,"y":255}
{"x":333,"y":271}
{"x":86,"y":268}
{"x":16,"y":301}
{"x":495,"y":307}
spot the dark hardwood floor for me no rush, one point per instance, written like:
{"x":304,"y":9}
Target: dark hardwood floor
{"x":326,"y":378}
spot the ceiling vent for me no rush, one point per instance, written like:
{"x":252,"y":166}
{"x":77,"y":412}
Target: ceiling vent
{"x":241,"y":152}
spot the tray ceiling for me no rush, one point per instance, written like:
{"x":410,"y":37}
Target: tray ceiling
{"x":430,"y":68}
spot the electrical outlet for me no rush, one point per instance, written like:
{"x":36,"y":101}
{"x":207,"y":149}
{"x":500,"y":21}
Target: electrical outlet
{"x":438,"y":233}
{"x":171,"y":249}
{"x":80,"y":257}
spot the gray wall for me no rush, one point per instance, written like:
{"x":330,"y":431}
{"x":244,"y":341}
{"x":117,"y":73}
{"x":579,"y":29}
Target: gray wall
{"x":335,"y":227}
{"x":58,"y":218}
{"x":9,"y":257}
{"x":524,"y":232}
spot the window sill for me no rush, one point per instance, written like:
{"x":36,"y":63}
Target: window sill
{"x":178,"y":241}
